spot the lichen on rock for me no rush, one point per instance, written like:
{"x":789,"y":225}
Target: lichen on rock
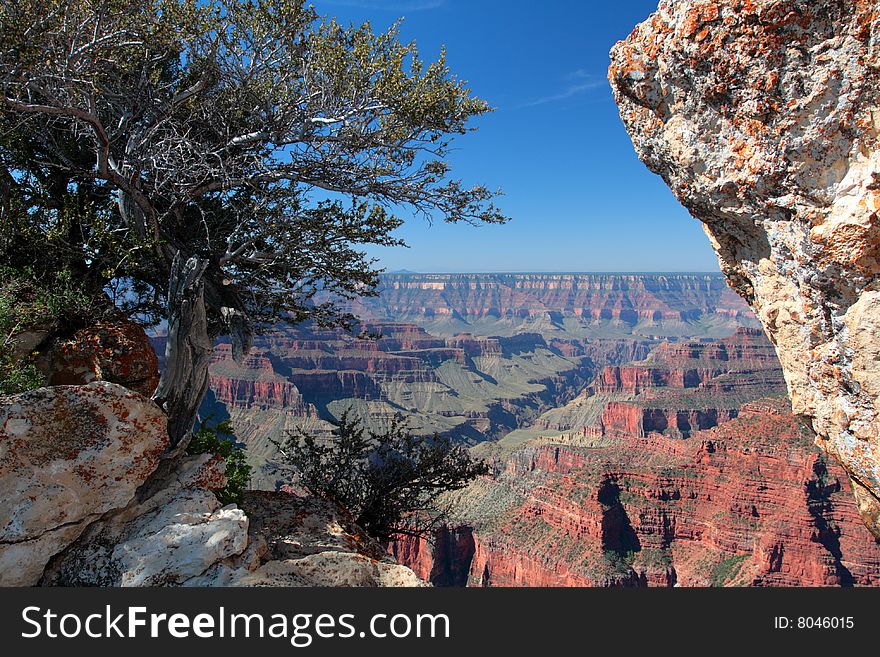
{"x":93,"y":496}
{"x":68,"y":455}
{"x":763,"y":117}
{"x":173,"y":530}
{"x":117,"y":351}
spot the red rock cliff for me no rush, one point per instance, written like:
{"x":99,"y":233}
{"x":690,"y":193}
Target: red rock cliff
{"x":749,"y":502}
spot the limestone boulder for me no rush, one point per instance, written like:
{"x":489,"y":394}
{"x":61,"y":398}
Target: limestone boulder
{"x":307,"y":541}
{"x":68,"y":455}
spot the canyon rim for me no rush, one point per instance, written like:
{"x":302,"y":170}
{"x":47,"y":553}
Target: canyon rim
{"x":650,"y":428}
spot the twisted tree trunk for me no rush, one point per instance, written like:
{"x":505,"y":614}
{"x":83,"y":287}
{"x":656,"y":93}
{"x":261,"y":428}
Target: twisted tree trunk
{"x":188,"y":351}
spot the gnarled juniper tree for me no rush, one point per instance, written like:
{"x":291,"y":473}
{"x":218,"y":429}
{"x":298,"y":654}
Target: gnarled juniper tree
{"x":240,"y":149}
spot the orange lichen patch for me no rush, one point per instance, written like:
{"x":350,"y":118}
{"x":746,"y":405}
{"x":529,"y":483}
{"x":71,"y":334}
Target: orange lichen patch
{"x":855,"y":244}
{"x":744,"y":152}
{"x":745,"y":7}
{"x":119,"y":352}
{"x":697,"y":16}
{"x":866,"y":19}
{"x":769,"y":82}
{"x":212,"y":474}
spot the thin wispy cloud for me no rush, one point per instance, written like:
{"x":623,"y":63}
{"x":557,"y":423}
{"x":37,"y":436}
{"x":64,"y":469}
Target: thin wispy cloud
{"x":388,"y":5}
{"x":578,"y":82}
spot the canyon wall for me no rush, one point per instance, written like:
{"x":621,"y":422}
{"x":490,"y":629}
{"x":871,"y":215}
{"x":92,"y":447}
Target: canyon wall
{"x":472,"y":356}
{"x":450,"y":301}
{"x":680,"y":387}
{"x":750,"y":502}
{"x":763,"y":117}
{"x":472,"y":388}
{"x":684,"y":467}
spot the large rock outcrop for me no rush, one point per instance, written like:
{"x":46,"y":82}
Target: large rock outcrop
{"x":306,"y":541}
{"x":91,"y":496}
{"x":175,"y":533}
{"x":69,"y":455}
{"x":763,"y":117}
{"x":172,"y":531}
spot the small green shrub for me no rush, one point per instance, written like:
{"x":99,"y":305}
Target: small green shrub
{"x":725,"y":570}
{"x":390,"y":480}
{"x":15,"y":379}
{"x":619,"y":563}
{"x":219,"y":440}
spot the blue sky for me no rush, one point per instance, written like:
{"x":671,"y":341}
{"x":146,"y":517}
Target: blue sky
{"x":579,"y":198}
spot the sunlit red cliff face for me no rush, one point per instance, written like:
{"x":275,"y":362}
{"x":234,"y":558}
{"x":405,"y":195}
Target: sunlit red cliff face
{"x":642,"y":440}
{"x":749,"y":502}
{"x":472,"y":388}
{"x":478,"y":356}
{"x":642,"y":483}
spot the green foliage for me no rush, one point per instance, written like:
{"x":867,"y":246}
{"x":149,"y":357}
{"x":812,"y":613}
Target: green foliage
{"x":618,"y":564}
{"x":253,"y":134}
{"x":29,"y":302}
{"x":725,"y":570}
{"x":389,"y":480}
{"x":219,"y":440}
{"x":17,"y":378}
{"x":655,"y":558}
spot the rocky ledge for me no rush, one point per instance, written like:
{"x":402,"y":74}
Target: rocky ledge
{"x":93,"y":497}
{"x":763,"y":117}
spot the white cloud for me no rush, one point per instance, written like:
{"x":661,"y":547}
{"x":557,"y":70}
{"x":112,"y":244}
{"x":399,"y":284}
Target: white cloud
{"x":579,"y":82}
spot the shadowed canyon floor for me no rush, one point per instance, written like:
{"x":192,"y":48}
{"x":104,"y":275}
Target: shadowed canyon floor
{"x":636,"y":425}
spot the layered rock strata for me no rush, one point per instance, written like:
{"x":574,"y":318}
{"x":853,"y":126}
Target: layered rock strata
{"x":629,"y":298}
{"x":747,"y":503}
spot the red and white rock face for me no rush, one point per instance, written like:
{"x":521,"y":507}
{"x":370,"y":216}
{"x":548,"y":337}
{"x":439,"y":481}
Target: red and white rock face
{"x":624,"y":297}
{"x":68,"y":455}
{"x":118,"y":351}
{"x":763,"y":117}
{"x":747,"y":503}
